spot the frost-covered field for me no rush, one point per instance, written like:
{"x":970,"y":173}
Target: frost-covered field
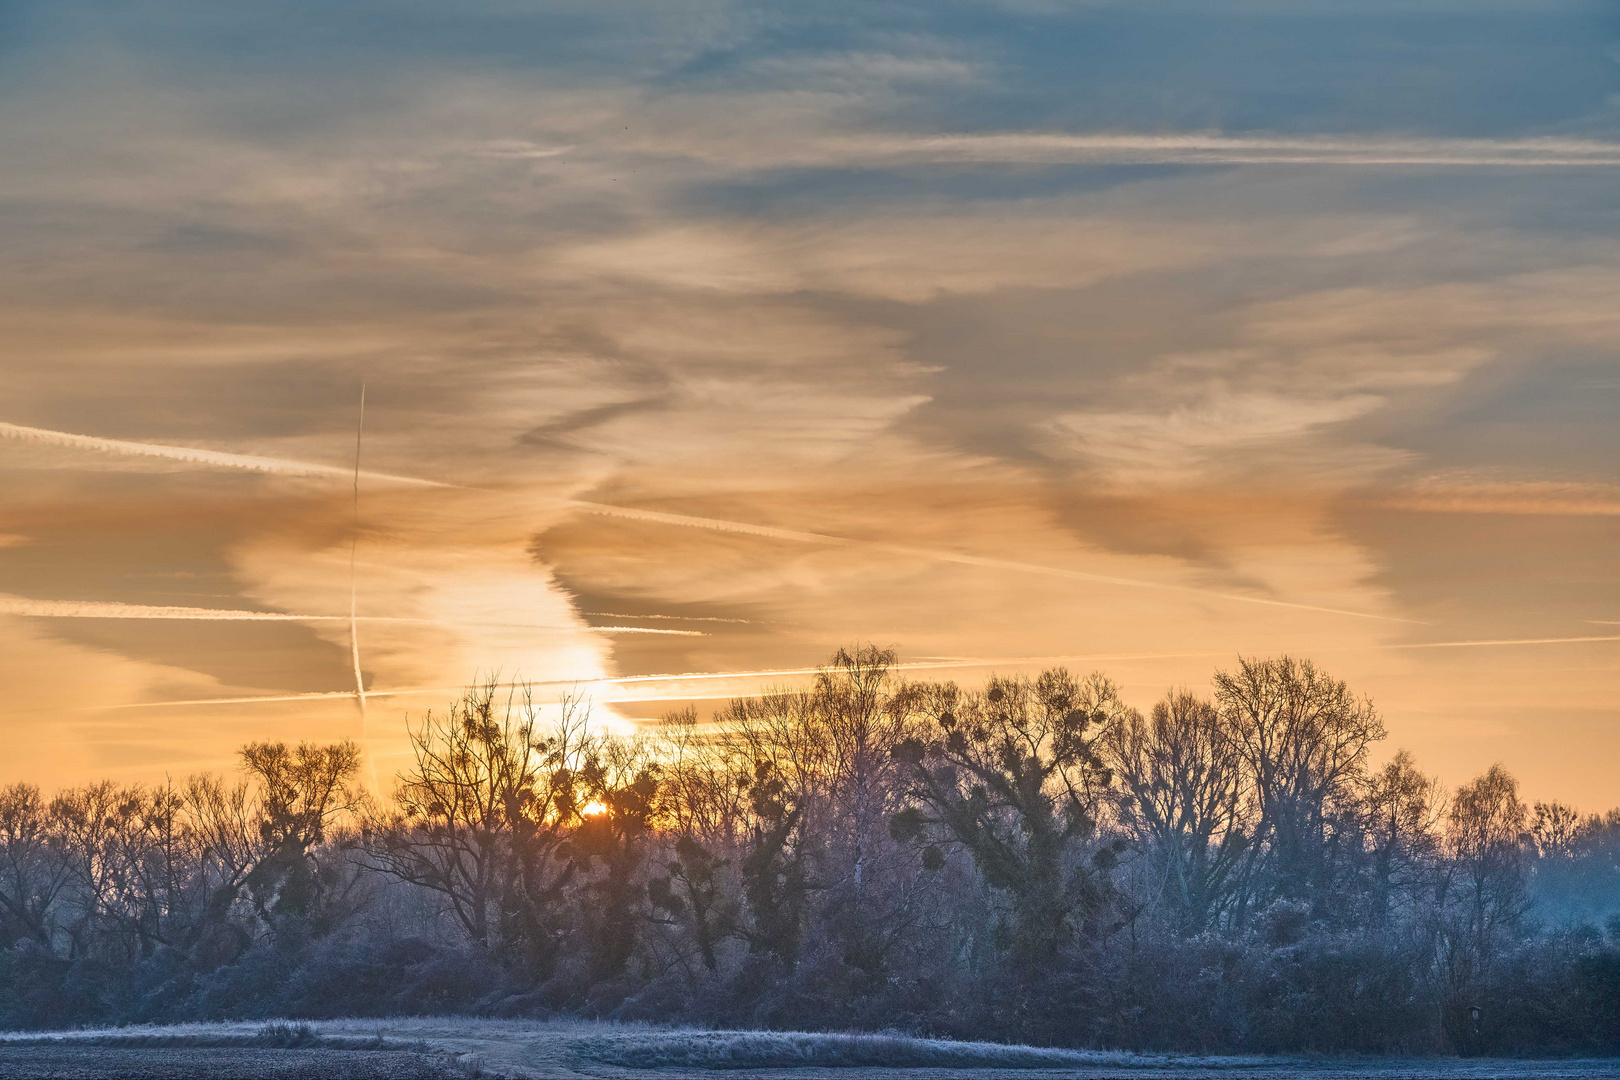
{"x":563,"y":1049}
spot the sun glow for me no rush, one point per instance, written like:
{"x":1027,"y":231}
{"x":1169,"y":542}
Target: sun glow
{"x":593,"y":808}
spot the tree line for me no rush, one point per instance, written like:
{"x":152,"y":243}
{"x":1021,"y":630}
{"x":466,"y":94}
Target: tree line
{"x":1031,"y":860}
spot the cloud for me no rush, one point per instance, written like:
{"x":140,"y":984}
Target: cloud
{"x":912,"y":256}
{"x":1291,"y":400}
{"x":1459,"y":495}
{"x":908,"y":551}
{"x":1181,"y":445}
{"x":981,"y":336}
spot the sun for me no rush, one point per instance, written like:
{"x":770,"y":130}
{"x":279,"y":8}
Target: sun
{"x":592,"y":808}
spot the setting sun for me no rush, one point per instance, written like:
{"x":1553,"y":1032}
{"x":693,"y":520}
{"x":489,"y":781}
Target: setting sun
{"x":592,"y":808}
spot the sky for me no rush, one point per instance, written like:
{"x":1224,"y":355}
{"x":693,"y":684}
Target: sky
{"x":701,"y":338}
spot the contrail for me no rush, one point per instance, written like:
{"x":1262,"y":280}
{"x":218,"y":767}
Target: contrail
{"x":798,"y":536}
{"x":90,"y":609}
{"x":769,"y":673}
{"x":1502,"y":641}
{"x":617,"y":630}
{"x":633,"y":680}
{"x":197,"y":457}
{"x":1024,"y":661}
{"x":1205,"y":149}
{"x":678,"y":618}
{"x":94,"y":609}
{"x":1110,"y":148}
{"x":322,"y":695}
{"x":210,"y":457}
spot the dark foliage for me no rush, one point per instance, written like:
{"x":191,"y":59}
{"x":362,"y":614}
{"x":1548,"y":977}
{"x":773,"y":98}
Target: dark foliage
{"x":1033,"y":860}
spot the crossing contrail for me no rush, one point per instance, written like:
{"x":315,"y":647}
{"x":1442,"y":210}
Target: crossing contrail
{"x":354,"y":547}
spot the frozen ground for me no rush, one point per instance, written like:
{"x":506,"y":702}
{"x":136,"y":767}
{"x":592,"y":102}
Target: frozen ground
{"x":441,"y":1047}
{"x":85,"y":1062}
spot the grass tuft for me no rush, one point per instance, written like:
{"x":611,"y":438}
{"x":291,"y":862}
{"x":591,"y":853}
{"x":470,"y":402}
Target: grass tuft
{"x":285,"y":1035}
{"x":736,"y":1050}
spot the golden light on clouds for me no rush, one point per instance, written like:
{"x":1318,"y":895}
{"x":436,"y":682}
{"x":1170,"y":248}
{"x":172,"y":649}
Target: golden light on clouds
{"x":688,"y":367}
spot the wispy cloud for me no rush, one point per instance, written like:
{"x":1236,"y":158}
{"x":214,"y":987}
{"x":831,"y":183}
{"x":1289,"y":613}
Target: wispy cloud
{"x":1177,"y":446}
{"x":987,"y":338}
{"x":209,"y":457}
{"x":910,"y":552}
{"x":1535,"y":498}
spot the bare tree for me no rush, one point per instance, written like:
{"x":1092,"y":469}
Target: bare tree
{"x":483,"y":811}
{"x":88,"y":822}
{"x":33,"y":870}
{"x":609,"y":847}
{"x":821,"y":783}
{"x":302,"y":792}
{"x":703,"y":805}
{"x":131,"y":860}
{"x":224,"y":816}
{"x":1181,"y":785}
{"x":1485,"y":831}
{"x":1304,"y":739}
{"x":1401,"y":811}
{"x":700,"y":796}
{"x":1014,"y":777}
{"x":1486,"y":898}
{"x":1555,"y":829}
